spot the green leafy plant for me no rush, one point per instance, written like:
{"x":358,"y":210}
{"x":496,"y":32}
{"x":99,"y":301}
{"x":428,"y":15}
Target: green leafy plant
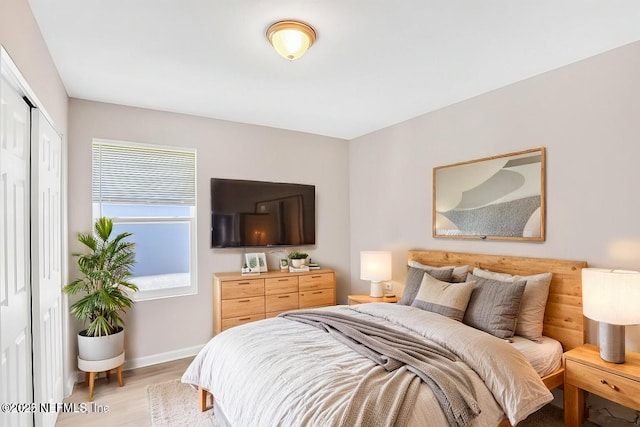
{"x":298,"y":255}
{"x":105,"y":273}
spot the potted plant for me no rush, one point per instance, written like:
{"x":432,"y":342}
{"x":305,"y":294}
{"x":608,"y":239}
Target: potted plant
{"x":104,"y":283}
{"x":298,"y":259}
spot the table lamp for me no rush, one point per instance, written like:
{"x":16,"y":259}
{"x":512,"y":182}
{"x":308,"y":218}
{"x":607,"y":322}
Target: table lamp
{"x":611,"y":297}
{"x":376,"y":267}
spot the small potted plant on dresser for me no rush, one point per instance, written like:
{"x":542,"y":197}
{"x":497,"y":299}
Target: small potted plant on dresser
{"x":104,"y":283}
{"x":298,"y":259}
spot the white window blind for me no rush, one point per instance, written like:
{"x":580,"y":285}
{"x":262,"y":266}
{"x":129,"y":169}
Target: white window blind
{"x":140,"y":174}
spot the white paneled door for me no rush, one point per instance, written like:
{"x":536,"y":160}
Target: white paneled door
{"x":46,"y":261}
{"x":15,"y":298}
{"x":31,"y":354}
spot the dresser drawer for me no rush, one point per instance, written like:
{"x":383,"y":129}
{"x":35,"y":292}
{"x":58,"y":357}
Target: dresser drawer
{"x":239,"y":299}
{"x":242,"y":307}
{"x":620,"y":389}
{"x":235,"y":321}
{"x":281,"y":302}
{"x":317,"y":298}
{"x":316,"y":281}
{"x":280,"y":285}
{"x":242,"y":288}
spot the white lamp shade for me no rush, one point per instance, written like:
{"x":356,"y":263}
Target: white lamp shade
{"x":375,"y":265}
{"x":611,"y":296}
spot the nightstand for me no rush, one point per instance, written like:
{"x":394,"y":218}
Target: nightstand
{"x":584,"y":370}
{"x":361,"y":299}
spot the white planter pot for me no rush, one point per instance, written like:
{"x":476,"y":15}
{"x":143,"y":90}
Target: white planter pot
{"x":297,"y":263}
{"x":100,"y":348}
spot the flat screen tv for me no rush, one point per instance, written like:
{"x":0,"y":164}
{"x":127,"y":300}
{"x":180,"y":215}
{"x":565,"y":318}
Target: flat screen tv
{"x":258,"y":213}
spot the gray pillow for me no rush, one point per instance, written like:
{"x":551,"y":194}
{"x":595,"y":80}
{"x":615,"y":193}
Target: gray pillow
{"x":493,"y":306}
{"x":530,"y":321}
{"x":458,"y":275}
{"x":445,"y":298}
{"x":414,"y":279}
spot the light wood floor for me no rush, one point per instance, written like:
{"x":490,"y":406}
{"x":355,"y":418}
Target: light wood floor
{"x":128,"y":405}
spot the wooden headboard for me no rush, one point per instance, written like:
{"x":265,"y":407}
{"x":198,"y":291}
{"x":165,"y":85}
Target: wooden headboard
{"x":563,"y":319}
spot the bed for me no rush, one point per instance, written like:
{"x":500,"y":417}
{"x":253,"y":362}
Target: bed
{"x":290,"y":371}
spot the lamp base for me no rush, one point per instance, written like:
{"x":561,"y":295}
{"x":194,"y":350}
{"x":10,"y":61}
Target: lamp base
{"x":611,"y":340}
{"x":376,"y":290}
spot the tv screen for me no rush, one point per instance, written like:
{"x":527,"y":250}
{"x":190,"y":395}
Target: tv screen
{"x":257,"y":213}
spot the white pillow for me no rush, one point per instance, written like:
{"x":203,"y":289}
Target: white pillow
{"x":530,"y":320}
{"x":448,"y":299}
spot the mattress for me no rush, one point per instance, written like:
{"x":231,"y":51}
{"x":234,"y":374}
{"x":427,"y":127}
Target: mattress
{"x":545,"y":356}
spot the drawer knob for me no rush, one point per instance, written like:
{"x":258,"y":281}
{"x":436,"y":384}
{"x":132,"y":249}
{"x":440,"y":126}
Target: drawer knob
{"x":613,"y":387}
{"x":284,"y":296}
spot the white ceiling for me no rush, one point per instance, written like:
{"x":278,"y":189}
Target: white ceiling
{"x":375,"y":62}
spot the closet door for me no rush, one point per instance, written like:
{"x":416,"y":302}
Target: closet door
{"x":15,"y":311}
{"x":46,"y":260}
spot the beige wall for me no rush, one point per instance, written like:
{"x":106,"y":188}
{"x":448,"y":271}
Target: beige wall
{"x":167,"y":328}
{"x":20,"y":36}
{"x":586,"y":115}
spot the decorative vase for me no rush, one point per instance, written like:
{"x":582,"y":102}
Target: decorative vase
{"x":297,"y":263}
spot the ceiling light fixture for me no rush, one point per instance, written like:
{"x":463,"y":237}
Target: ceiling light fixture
{"x":291,"y":39}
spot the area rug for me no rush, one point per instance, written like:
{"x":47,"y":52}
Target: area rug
{"x":548,"y":416}
{"x":176,"y":404}
{"x":173,"y":403}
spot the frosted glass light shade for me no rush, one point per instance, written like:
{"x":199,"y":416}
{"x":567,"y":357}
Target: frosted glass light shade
{"x":291,"y":39}
{"x":611,"y":296}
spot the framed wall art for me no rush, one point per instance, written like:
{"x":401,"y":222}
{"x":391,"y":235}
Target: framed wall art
{"x":495,"y":198}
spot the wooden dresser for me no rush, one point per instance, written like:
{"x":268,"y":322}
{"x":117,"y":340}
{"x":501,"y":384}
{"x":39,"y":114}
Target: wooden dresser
{"x":239,"y":299}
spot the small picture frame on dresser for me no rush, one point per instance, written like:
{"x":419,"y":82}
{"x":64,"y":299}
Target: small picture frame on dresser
{"x":262,"y":262}
{"x":284,"y":264}
{"x":252,"y":264}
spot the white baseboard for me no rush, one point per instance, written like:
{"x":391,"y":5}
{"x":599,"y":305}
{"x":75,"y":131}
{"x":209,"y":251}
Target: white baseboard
{"x":70,"y":382}
{"x":153,"y":359}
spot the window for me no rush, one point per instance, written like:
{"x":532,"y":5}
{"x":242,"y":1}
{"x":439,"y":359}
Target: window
{"x":150,"y":191}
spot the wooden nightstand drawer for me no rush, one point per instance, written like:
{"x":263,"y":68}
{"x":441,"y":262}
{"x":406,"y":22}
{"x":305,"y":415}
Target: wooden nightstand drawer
{"x":242,"y":307}
{"x":317,"y":298}
{"x":316,"y":281}
{"x":281,"y":302}
{"x":235,"y":321}
{"x":281,"y":285}
{"x":617,"y":388}
{"x":242,"y":288}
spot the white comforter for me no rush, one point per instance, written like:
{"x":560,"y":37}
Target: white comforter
{"x":278,"y":372}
